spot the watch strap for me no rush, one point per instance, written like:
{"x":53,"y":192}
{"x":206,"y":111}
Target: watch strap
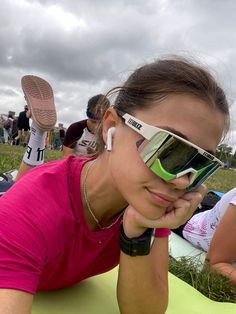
{"x":138,"y":246}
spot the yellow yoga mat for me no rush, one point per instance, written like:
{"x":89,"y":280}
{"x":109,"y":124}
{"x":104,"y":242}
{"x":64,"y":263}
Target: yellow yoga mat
{"x":97,"y":295}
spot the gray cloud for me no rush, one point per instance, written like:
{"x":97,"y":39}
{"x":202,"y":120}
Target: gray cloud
{"x":85,"y":47}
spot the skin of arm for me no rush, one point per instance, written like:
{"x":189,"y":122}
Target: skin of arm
{"x":15,"y":302}
{"x":22,"y":169}
{"x":67,"y":151}
{"x":143,"y":280}
{"x":222,"y":250}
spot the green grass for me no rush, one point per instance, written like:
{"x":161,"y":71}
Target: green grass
{"x":222,"y":180}
{"x":213,"y":286}
{"x":11,"y":156}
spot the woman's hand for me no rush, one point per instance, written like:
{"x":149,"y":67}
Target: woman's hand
{"x":175,"y":215}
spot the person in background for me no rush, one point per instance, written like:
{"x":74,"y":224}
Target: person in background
{"x":14,"y":131}
{"x":214,"y":231}
{"x":62,"y":133}
{"x":23,"y":127}
{"x":78,"y":217}
{"x":40,"y":99}
{"x":40,"y":102}
{"x":7,"y":127}
{"x":81,"y":137}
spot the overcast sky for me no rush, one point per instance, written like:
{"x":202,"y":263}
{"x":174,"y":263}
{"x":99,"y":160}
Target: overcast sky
{"x":85,"y":47}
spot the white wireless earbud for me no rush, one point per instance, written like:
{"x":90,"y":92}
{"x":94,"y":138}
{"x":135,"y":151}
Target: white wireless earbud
{"x":110,"y":133}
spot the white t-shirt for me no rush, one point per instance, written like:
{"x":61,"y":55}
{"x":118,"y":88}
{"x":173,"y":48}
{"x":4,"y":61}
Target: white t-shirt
{"x":200,"y":228}
{"x":87,"y":140}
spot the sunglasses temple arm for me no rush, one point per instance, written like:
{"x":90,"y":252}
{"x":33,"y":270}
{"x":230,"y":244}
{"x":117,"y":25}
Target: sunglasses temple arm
{"x":146,"y":130}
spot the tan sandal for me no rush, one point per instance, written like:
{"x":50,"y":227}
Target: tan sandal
{"x":40,"y":99}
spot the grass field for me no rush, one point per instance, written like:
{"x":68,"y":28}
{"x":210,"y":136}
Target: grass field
{"x":215,"y":287}
{"x":11,"y":156}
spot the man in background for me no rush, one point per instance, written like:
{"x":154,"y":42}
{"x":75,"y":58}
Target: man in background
{"x":23,"y":127}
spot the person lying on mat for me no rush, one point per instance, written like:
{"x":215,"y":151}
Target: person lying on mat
{"x":214,"y":232}
{"x":81,"y":137}
{"x":71,"y":219}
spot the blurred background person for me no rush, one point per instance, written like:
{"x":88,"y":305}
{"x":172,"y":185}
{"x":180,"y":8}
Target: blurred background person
{"x":7,"y":127}
{"x":62,"y":133}
{"x":23,"y":127}
{"x":80,"y":138}
{"x":14,"y":130}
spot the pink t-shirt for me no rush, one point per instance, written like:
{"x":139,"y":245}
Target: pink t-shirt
{"x":45,"y":243}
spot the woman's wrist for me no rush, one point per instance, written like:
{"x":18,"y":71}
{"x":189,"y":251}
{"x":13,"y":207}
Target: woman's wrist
{"x":133,"y":231}
{"x":162,"y":232}
{"x":138,"y":246}
{"x":131,"y":225}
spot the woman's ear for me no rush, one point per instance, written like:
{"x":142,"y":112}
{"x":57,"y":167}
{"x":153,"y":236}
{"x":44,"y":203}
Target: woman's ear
{"x":109,"y":122}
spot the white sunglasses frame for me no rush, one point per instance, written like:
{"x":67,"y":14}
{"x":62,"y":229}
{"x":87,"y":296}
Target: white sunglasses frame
{"x":148,"y":131}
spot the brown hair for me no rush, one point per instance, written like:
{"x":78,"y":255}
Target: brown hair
{"x":97,"y":105}
{"x":157,"y":80}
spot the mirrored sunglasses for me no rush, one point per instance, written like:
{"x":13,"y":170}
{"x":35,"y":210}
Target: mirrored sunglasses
{"x":170,"y":156}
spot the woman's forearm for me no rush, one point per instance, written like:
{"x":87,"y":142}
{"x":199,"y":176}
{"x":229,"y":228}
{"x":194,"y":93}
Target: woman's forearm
{"x":143,"y":281}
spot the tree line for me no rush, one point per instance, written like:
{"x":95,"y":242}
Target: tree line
{"x":225,"y":153}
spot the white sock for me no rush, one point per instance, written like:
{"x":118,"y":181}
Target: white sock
{"x":34,"y":154}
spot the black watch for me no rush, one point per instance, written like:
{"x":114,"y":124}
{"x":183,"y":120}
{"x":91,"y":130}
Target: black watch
{"x":138,"y":246}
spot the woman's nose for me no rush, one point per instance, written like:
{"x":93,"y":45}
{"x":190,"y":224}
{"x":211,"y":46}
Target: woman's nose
{"x":181,"y":183}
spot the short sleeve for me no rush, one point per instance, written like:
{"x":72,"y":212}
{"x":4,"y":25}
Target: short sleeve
{"x":74,"y":133}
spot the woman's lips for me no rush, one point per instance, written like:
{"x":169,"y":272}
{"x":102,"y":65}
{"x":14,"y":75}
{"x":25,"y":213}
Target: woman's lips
{"x":161,"y":200}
